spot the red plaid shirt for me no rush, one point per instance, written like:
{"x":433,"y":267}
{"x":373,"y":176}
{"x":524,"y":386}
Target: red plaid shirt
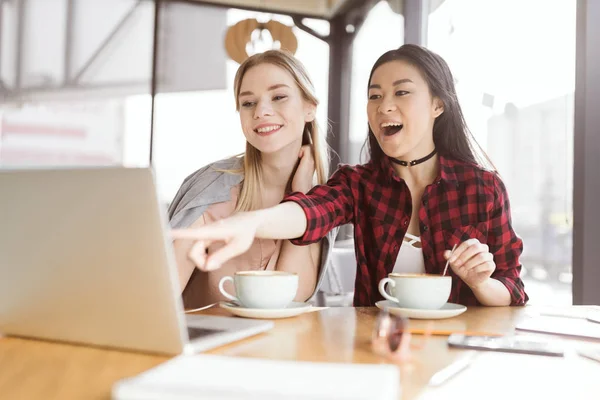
{"x":464,"y":202}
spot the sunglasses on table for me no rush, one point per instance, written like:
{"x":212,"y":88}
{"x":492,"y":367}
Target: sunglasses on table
{"x":391,"y":337}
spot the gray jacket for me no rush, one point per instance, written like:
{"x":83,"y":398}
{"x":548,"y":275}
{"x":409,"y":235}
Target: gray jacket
{"x":208,"y":186}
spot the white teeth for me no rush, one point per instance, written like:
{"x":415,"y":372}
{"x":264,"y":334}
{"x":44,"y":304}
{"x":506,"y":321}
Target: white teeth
{"x":386,"y":124}
{"x":268,"y":128}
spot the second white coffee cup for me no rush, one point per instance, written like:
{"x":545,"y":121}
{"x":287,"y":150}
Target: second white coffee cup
{"x":421,"y":291}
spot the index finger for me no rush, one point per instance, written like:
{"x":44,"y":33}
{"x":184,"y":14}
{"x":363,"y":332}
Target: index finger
{"x":461,"y":248}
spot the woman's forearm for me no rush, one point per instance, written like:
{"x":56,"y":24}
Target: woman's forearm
{"x":283,"y":221}
{"x":492,"y":293}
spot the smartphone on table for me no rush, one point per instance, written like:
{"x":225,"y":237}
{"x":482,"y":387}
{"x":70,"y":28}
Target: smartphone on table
{"x":507,"y":344}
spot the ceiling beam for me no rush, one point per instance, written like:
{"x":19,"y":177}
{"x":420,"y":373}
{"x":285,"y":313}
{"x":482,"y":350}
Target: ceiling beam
{"x":317,"y":9}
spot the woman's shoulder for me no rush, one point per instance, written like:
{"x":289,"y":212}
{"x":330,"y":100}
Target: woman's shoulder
{"x":358,"y":171}
{"x":470,"y":173}
{"x":213,"y":171}
{"x":208,"y":185}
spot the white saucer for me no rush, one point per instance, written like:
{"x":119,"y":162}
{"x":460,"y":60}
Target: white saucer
{"x":266,"y":313}
{"x":448,"y":310}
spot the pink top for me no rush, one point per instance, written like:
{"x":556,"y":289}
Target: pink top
{"x":203,"y":287}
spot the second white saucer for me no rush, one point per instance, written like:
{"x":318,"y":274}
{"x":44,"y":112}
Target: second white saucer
{"x":448,"y":310}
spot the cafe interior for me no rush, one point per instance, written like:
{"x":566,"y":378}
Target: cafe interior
{"x":111,"y":109}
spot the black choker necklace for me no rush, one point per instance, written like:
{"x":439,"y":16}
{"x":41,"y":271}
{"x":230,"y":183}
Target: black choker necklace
{"x":414,"y":162}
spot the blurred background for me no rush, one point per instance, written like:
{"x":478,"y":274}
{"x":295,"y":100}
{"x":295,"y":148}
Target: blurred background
{"x":141,"y":82}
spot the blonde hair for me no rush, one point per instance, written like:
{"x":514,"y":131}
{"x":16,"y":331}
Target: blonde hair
{"x":251,"y":167}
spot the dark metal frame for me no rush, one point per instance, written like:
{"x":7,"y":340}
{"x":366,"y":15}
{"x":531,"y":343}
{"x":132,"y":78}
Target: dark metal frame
{"x":1,"y":28}
{"x":3,"y":88}
{"x":300,"y":25}
{"x":247,"y":8}
{"x":158,"y":4}
{"x":341,"y":42}
{"x":21,"y":4}
{"x":586,"y":168}
{"x":76,"y":87}
{"x":416,"y":17}
{"x":70,"y":13}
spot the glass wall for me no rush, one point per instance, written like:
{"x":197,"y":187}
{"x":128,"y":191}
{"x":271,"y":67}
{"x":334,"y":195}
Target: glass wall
{"x":66,"y":74}
{"x":516,"y":84}
{"x":76,"y":90}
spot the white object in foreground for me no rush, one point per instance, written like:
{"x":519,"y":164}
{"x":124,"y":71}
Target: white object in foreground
{"x":221,"y":377}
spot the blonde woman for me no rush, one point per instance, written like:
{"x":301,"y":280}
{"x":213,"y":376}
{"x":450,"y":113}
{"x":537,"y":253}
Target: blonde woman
{"x":276,"y":103}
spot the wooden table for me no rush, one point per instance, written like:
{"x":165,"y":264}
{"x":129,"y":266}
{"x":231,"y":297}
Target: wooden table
{"x":32,"y":369}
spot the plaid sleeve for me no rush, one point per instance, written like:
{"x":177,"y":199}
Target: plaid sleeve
{"x":506,"y":246}
{"x":326,"y":206}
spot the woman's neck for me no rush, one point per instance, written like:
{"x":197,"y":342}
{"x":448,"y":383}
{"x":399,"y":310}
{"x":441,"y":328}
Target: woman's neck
{"x":419,"y":175}
{"x":278,"y":167}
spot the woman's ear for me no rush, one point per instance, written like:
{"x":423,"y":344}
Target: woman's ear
{"x":309,"y":113}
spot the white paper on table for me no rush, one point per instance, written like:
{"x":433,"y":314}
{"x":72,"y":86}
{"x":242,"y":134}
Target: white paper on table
{"x":501,"y":376}
{"x":220,"y":377}
{"x":561,"y":326}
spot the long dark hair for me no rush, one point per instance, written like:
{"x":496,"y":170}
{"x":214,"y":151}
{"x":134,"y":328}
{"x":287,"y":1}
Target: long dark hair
{"x":451,"y":135}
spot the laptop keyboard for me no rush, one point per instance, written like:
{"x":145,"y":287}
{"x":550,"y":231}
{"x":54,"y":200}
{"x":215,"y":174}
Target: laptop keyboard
{"x":195,"y":333}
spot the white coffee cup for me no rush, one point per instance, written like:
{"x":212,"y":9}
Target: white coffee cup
{"x":262,"y":289}
{"x":421,"y":291}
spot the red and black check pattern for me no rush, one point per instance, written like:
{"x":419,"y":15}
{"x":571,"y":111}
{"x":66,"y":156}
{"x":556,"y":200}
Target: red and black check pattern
{"x":464,"y":202}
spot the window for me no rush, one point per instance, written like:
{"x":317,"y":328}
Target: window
{"x":516,"y":86}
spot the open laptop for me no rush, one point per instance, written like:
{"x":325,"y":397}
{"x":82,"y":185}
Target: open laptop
{"x":85,"y":257}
